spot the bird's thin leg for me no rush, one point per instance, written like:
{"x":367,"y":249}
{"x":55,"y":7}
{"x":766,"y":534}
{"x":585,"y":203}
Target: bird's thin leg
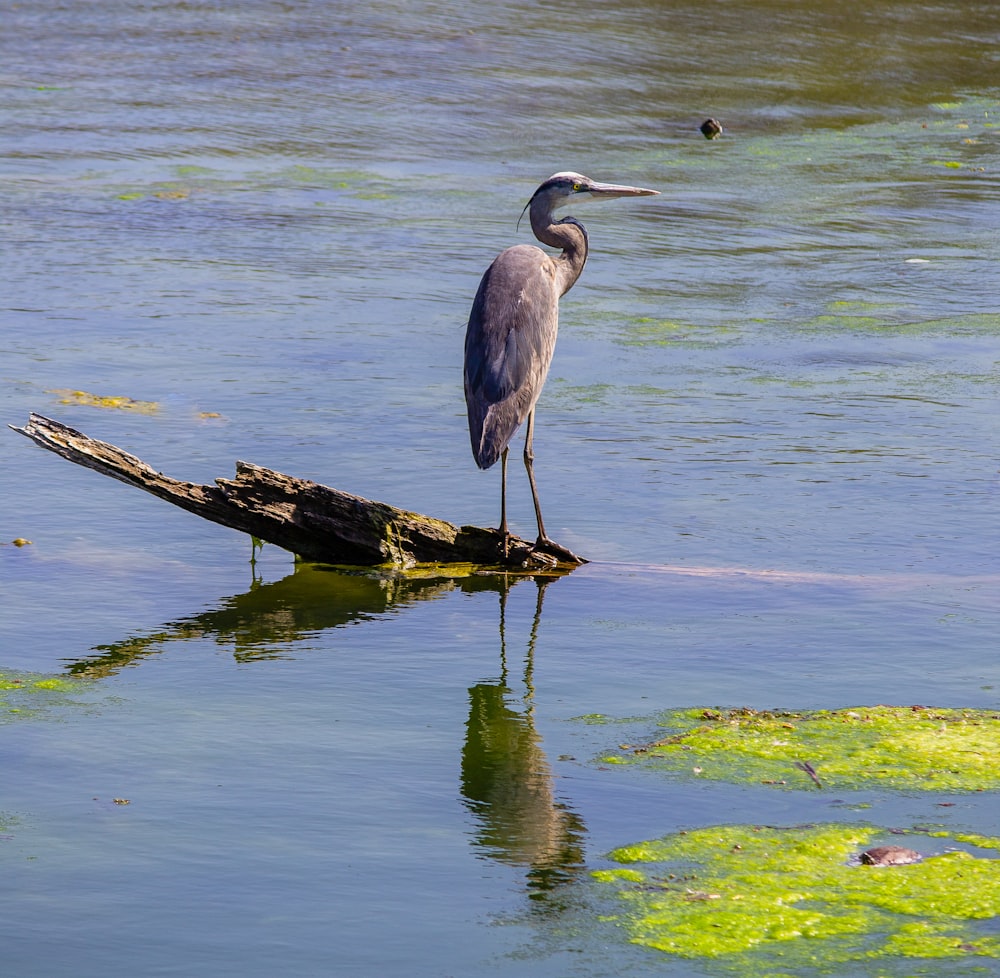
{"x":543,"y":543}
{"x":503,"y":503}
{"x":529,"y":459}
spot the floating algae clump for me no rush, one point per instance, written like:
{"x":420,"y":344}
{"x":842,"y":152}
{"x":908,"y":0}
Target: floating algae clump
{"x":24,"y":695}
{"x":743,"y":893}
{"x":114,"y":402}
{"x":910,"y":748}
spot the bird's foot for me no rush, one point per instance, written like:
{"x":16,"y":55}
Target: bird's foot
{"x":507,"y":543}
{"x":544,"y":547}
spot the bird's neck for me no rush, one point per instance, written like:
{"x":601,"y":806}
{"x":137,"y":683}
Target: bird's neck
{"x":569,"y":235}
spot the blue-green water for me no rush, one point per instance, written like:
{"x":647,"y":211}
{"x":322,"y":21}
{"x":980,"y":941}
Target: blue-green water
{"x":771,"y":423}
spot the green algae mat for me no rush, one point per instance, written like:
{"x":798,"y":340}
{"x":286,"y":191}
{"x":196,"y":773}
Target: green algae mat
{"x":751,"y":897}
{"x":911,"y":748}
{"x":31,"y":695}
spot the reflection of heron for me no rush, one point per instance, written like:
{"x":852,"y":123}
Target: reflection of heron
{"x":508,"y":784}
{"x":513,"y":325}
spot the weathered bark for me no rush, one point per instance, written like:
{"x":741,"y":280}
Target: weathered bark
{"x":310,"y":520}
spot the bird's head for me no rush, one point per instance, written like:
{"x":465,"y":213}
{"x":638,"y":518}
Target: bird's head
{"x":569,"y":187}
{"x":564,"y":189}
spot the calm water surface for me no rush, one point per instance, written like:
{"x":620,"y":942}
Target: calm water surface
{"x":771,"y":423}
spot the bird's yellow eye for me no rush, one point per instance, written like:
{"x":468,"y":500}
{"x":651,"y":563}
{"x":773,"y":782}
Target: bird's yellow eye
{"x":577,"y":187}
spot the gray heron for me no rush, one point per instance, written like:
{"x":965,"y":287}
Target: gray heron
{"x":513,"y":326}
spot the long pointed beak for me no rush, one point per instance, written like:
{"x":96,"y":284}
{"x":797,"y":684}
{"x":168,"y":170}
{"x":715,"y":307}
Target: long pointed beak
{"x":608,"y":191}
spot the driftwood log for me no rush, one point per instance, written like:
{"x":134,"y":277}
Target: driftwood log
{"x":312,"y":521}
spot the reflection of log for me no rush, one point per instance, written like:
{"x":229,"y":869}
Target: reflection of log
{"x":312,"y":521}
{"x":269,"y":620}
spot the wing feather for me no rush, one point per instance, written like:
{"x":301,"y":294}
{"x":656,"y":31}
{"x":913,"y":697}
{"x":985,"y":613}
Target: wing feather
{"x":508,"y":347}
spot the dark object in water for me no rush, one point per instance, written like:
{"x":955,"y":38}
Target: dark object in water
{"x":711,"y":128}
{"x":890,"y":856}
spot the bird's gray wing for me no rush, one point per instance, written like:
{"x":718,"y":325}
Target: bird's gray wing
{"x":508,"y":347}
